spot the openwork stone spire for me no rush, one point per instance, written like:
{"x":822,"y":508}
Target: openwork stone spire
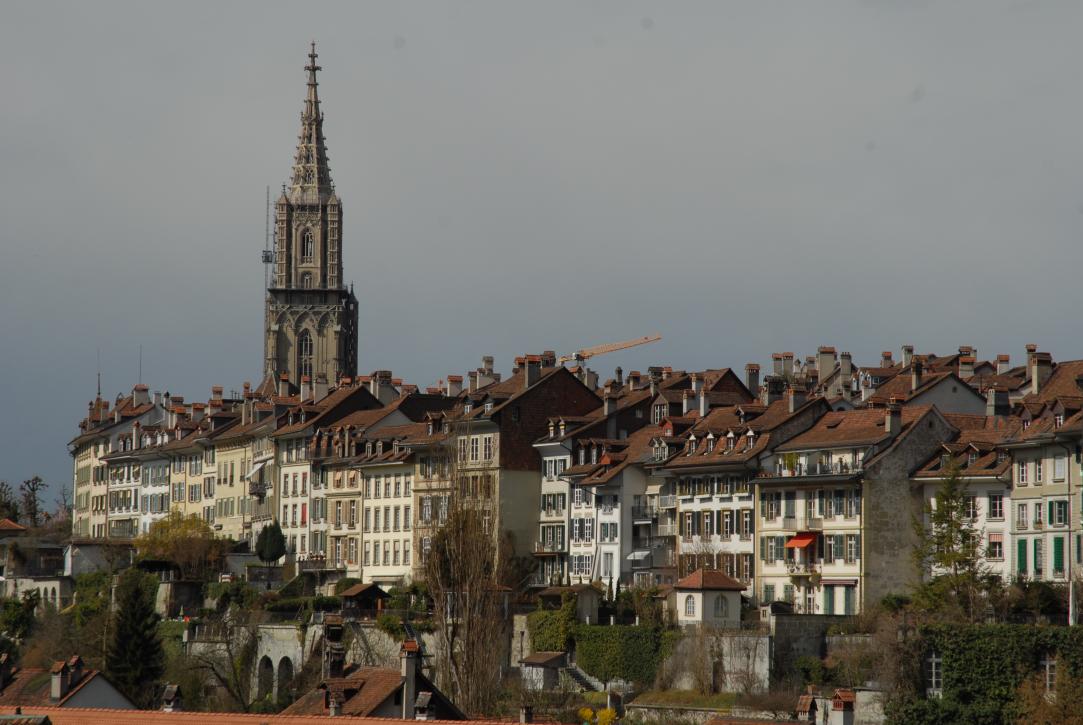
{"x":311,"y":179}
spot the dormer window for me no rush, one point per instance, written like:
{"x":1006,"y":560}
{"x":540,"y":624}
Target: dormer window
{"x":1058,"y":420}
{"x":731,"y":441}
{"x":552,"y":429}
{"x":379,"y":447}
{"x":710,"y":443}
{"x":751,"y":439}
{"x":972,"y":458}
{"x":945,"y":461}
{"x":691,"y":445}
{"x":582,"y":456}
{"x":594,"y":454}
{"x":368,"y":448}
{"x":467,"y":407}
{"x":430,"y":428}
{"x":488,"y":406}
{"x":1026,"y":423}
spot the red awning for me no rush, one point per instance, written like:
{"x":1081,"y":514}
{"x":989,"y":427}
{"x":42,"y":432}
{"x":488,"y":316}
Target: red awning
{"x":800,"y":541}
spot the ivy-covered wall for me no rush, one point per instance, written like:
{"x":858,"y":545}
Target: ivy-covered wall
{"x":982,"y":667}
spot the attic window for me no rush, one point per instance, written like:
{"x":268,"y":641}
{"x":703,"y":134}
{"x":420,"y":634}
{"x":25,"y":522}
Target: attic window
{"x":945,"y":461}
{"x":1058,"y":420}
{"x":368,"y":448}
{"x":972,"y":458}
{"x":467,"y":407}
{"x":691,"y":445}
{"x":430,"y":428}
{"x":488,"y":406}
{"x":730,"y":441}
{"x":710,"y":444}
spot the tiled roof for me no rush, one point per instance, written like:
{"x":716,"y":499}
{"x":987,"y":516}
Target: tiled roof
{"x":849,"y":428}
{"x":710,"y":579}
{"x":1063,"y":381}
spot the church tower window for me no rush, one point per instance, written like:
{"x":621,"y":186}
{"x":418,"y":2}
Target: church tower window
{"x":304,"y":354}
{"x":308,"y":246}
{"x":306,"y":280}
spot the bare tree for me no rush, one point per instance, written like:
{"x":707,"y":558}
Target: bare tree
{"x":225,"y":653}
{"x":30,"y":490}
{"x":465,"y":568}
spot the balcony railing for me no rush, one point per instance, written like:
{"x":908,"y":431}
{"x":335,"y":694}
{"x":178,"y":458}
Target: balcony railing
{"x":321,"y":564}
{"x":667,"y":502}
{"x":542,"y":547}
{"x":644,"y":512}
{"x":817,"y":469}
{"x":666,"y":529}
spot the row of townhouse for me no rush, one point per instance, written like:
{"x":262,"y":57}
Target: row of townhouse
{"x":801,"y":485}
{"x":807,"y":497}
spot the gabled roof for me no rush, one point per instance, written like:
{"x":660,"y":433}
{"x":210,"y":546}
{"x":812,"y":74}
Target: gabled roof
{"x":840,"y":428}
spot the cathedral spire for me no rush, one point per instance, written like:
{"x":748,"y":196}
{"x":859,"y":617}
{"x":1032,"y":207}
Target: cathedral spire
{"x":311,"y":179}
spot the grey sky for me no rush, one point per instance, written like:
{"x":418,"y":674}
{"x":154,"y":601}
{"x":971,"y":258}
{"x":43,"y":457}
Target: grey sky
{"x":741,"y":177}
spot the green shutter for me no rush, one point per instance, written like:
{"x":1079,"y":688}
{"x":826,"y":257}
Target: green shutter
{"x":763,"y":548}
{"x":1058,"y":554}
{"x":858,"y":547}
{"x":1051,"y":517}
{"x":780,"y":548}
{"x":1021,"y":556}
{"x":829,"y":599}
{"x":1037,"y":549}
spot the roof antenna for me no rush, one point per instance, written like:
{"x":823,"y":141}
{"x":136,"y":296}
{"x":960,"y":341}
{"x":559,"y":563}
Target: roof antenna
{"x":140,"y":364}
{"x":99,"y":373}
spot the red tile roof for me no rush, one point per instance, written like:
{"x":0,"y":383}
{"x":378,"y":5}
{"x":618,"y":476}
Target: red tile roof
{"x":104,"y":716}
{"x":709,"y":579}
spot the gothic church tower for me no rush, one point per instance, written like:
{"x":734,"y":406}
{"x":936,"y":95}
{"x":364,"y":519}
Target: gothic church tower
{"x":311,"y":320}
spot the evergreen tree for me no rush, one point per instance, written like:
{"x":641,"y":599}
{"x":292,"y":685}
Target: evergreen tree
{"x":135,"y":660}
{"x":270,"y":546}
{"x":947,"y":555}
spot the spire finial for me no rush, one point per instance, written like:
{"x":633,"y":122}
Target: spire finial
{"x":311,"y":178}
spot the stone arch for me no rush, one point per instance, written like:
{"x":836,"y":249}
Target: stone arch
{"x":285,"y":677}
{"x":265,"y":677}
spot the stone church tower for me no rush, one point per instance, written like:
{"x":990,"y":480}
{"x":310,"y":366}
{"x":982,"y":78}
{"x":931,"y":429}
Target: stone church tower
{"x":311,"y":320}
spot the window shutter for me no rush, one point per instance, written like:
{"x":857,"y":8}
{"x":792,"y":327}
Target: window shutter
{"x":780,"y":547}
{"x":840,"y":544}
{"x":718,"y":522}
{"x":1037,"y":549}
{"x":680,"y":524}
{"x":857,"y":546}
{"x":763,"y":548}
{"x":1058,"y":553}
{"x":1051,"y":517}
{"x":820,"y":550}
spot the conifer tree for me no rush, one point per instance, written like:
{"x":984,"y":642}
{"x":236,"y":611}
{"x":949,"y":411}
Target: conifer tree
{"x":135,"y":660}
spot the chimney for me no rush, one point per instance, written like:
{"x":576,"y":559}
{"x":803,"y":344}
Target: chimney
{"x":787,"y":363}
{"x":306,"y":387}
{"x":319,"y":390}
{"x":472,"y":381}
{"x":893,"y":417}
{"x":332,"y":705}
{"x":776,"y":363}
{"x":1004,"y":364}
{"x":487,"y":364}
{"x":454,"y":385}
{"x":196,"y":412}
{"x":996,"y":402}
{"x":1040,"y":368}
{"x":618,"y":377}
{"x":752,"y":377}
{"x":533,"y":370}
{"x":60,"y":684}
{"x":589,"y":378}
{"x":686,"y":401}
{"x":609,"y":405}
{"x":773,"y":387}
{"x":797,"y":399}
{"x":283,"y":385}
{"x":410,"y":663}
{"x":548,"y":359}
{"x":907,"y":355}
{"x":966,"y":367}
{"x":140,"y":395}
{"x":634,"y":378}
{"x":825,"y":361}
{"x":846,"y":367}
{"x":704,"y":405}
{"x":885,"y":359}
{"x":915,"y":374}
{"x":697,"y":383}
{"x":526,"y":714}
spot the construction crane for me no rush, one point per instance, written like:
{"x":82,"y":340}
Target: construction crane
{"x":589,"y":352}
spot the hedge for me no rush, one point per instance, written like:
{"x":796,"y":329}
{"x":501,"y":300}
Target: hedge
{"x":983,"y":667}
{"x":625,"y":652}
{"x":550,"y":629}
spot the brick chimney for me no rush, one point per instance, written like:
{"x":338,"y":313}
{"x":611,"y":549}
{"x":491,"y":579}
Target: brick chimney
{"x":825,"y":361}
{"x":773,"y":387}
{"x":907,"y":355}
{"x":796,"y":399}
{"x":533,"y":370}
{"x":966,"y":367}
{"x":787,"y":363}
{"x":1040,"y":367}
{"x":618,"y":376}
{"x":893,"y":417}
{"x":915,"y":373}
{"x":634,"y":378}
{"x":846,"y":367}
{"x":410,"y":664}
{"x":472,"y":381}
{"x":454,"y":385}
{"x":885,"y":359}
{"x":996,"y":402}
{"x":752,"y":377}
{"x":283,"y":384}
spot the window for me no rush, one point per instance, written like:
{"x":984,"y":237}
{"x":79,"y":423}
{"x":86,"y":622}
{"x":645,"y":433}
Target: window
{"x":304,"y":353}
{"x":1038,"y":558}
{"x":487,"y":447}
{"x":607,"y":564}
{"x":1038,"y":472}
{"x":1049,"y":671}
{"x":306,"y":280}
{"x":1060,"y":467}
{"x":689,"y":606}
{"x":474,"y":448}
{"x":1021,"y":516}
{"x":971,"y":507}
{"x":1021,"y":473}
{"x":768,"y":593}
{"x":1038,"y":514}
{"x":406,"y":518}
{"x":933,"y":674}
{"x":1058,"y":513}
{"x":308,"y":246}
{"x":721,"y":607}
{"x":996,"y":506}
{"x":995,"y":549}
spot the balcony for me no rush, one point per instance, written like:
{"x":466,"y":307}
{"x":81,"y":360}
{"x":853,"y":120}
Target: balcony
{"x":644,"y":513}
{"x":838,"y":468}
{"x":319,"y":563}
{"x":553,"y":513}
{"x":549,"y":547}
{"x":802,"y":523}
{"x":666,"y":529}
{"x":667,"y":502}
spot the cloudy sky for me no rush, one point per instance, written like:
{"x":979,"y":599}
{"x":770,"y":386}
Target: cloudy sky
{"x":740,"y":177}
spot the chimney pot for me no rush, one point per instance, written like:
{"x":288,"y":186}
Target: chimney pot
{"x":893,"y":417}
{"x":752,"y":377}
